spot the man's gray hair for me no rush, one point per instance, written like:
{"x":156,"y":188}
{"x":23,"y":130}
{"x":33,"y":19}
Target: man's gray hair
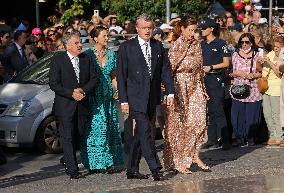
{"x":67,"y":36}
{"x":145,"y":17}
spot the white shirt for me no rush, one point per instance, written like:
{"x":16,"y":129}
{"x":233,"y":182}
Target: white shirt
{"x":116,"y":28}
{"x":75,"y":64}
{"x":20,"y":49}
{"x":143,"y":46}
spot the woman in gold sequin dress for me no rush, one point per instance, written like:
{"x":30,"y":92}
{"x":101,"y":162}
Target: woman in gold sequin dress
{"x":186,"y":128}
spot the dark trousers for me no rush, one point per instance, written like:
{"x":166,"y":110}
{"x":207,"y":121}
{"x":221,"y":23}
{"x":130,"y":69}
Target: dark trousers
{"x":142,"y":144}
{"x":70,"y":130}
{"x":217,"y":119}
{"x":227,"y":133}
{"x":246,"y":118}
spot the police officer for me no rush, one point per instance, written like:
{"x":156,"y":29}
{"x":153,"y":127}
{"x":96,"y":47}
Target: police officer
{"x":215,"y":60}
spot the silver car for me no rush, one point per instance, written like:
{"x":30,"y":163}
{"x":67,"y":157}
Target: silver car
{"x":26,"y":110}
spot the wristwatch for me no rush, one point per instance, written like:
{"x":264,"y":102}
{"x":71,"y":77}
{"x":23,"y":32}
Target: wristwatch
{"x":211,"y":68}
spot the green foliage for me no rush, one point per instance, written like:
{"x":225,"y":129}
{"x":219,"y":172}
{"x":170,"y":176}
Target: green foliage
{"x":130,"y":9}
{"x":72,"y":8}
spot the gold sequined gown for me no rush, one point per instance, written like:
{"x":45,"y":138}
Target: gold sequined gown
{"x":186,"y":128}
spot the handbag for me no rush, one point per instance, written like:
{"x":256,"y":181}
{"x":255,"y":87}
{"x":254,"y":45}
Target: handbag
{"x":242,"y":91}
{"x":262,"y":83}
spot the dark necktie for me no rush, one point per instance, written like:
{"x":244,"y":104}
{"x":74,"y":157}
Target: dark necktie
{"x":23,"y":55}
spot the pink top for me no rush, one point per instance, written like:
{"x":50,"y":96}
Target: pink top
{"x":244,"y":64}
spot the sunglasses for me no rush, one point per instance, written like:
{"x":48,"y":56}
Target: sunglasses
{"x":51,"y":34}
{"x":83,"y":28}
{"x":246,"y":42}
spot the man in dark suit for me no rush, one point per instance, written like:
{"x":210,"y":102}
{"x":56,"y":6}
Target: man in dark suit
{"x":14,"y":57}
{"x":142,"y":65}
{"x":72,"y":76}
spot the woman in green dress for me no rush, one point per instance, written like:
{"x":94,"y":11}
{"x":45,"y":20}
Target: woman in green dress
{"x":101,"y":148}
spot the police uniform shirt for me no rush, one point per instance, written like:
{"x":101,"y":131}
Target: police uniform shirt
{"x":214,"y":52}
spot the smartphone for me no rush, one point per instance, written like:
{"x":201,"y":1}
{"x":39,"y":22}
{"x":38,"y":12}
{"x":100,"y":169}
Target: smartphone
{"x":96,"y":12}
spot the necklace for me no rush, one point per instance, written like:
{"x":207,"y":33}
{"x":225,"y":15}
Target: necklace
{"x":100,"y":53}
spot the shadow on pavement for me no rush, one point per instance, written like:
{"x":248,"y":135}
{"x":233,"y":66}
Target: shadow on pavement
{"x":47,"y":172}
{"x":17,"y":157}
{"x":218,"y":156}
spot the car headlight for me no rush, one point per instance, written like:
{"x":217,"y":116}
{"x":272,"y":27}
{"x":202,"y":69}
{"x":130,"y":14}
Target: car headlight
{"x":17,"y":109}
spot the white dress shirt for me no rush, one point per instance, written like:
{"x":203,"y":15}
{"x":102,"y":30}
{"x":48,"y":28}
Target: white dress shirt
{"x":20,"y":49}
{"x":75,"y":63}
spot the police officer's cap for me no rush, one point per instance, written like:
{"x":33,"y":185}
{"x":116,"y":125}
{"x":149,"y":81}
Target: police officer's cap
{"x":206,"y":23}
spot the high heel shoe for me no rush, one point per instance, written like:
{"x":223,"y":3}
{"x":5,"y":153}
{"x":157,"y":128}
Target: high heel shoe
{"x":184,"y":171}
{"x":203,"y":167}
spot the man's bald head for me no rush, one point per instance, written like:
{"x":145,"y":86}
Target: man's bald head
{"x":255,"y":17}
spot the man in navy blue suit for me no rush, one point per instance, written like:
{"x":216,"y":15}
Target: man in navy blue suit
{"x":142,"y":66}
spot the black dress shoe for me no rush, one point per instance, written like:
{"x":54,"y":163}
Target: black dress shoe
{"x":136,"y":175}
{"x":75,"y":175}
{"x":226,"y":146}
{"x":157,"y":176}
{"x":62,"y":161}
{"x":239,"y":142}
{"x":209,"y":145}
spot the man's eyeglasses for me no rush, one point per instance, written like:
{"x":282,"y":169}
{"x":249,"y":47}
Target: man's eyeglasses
{"x":246,"y":42}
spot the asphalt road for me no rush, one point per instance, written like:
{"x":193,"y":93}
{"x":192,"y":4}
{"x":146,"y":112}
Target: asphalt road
{"x":29,"y":171}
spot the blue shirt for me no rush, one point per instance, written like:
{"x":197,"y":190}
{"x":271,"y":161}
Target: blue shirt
{"x":214,"y":52}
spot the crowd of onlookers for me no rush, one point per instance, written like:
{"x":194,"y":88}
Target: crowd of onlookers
{"x":23,"y":46}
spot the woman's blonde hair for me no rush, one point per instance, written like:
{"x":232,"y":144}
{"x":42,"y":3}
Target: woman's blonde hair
{"x":226,"y":35}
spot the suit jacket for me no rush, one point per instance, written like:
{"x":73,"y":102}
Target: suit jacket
{"x":135,"y":86}
{"x":13,"y":60}
{"x":63,"y":81}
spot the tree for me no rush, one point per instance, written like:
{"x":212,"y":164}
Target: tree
{"x":130,"y":9}
{"x":72,"y":8}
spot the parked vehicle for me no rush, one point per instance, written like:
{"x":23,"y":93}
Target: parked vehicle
{"x":26,"y":110}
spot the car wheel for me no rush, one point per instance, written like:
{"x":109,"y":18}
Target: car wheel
{"x":47,"y":138}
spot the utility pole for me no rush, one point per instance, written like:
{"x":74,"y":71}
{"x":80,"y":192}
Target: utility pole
{"x":168,"y":11}
{"x":270,"y":16}
{"x":37,"y":13}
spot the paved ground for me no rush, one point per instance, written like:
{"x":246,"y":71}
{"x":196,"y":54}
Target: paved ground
{"x":256,"y":169}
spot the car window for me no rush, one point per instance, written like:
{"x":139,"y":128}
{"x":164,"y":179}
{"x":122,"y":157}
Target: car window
{"x":37,"y":73}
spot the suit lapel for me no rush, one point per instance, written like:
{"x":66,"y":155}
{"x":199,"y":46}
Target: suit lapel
{"x":154,"y":56}
{"x":140,"y":54}
{"x":69,"y":67}
{"x":81,"y":66}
